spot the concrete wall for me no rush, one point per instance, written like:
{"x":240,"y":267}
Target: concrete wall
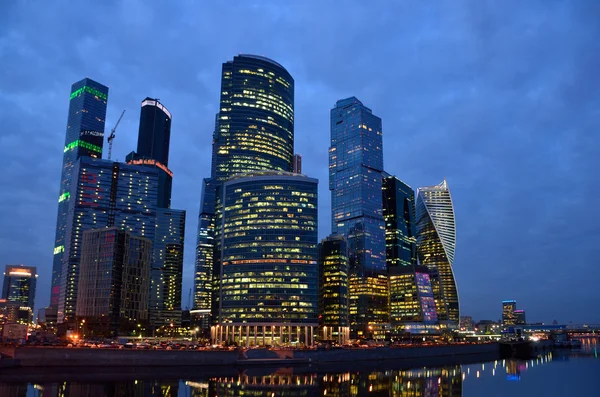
{"x":81,"y":357}
{"x":70,"y":357}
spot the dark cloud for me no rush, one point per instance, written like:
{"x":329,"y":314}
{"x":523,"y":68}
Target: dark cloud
{"x":501,"y":99}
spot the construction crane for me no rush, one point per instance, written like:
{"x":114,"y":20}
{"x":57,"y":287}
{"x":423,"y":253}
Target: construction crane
{"x":112,"y":136}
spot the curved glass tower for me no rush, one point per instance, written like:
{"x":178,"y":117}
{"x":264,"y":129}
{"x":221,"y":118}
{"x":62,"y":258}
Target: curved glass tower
{"x":268,"y":289}
{"x":436,"y":242}
{"x":254,"y":131}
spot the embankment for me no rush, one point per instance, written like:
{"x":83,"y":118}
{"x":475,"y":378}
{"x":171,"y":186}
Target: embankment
{"x":82,"y":357}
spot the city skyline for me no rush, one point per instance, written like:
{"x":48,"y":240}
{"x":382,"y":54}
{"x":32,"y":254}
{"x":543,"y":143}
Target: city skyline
{"x":506,"y":140}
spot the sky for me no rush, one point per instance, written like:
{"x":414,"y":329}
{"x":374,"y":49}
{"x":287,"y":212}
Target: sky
{"x":500,"y":98}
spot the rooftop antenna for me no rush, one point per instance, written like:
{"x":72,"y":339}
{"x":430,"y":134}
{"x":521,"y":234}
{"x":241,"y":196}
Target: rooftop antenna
{"x":112,"y":136}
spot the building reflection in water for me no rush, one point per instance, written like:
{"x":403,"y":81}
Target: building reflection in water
{"x":423,"y":382}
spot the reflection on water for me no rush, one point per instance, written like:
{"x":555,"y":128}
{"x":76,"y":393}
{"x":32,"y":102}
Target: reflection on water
{"x":447,"y":381}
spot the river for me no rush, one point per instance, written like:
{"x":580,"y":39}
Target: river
{"x":560,"y":373}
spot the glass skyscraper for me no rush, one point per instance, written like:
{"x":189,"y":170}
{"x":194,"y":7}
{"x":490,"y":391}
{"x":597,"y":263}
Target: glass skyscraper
{"x":411,"y":295}
{"x":154,"y":139}
{"x":84,"y":137}
{"x":104,"y":194}
{"x":436,"y":242}
{"x":399,"y":215}
{"x":355,"y":181}
{"x":19,"y":285}
{"x":268,"y":290}
{"x":254,"y":131}
{"x":167,"y":267}
{"x":334,"y":296}
{"x":508,"y":312}
{"x":114,"y":282}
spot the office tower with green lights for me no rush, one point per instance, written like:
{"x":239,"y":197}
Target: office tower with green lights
{"x":84,"y":138}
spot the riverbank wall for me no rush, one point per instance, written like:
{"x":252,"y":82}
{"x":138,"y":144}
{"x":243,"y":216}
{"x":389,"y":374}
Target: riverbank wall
{"x":85,"y":357}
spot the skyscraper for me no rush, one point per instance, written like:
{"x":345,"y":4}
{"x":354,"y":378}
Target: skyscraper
{"x":355,"y":174}
{"x":412,"y":306}
{"x":154,"y":139}
{"x":84,"y":137}
{"x":520,"y":317}
{"x":254,"y":131}
{"x":508,"y":312}
{"x":436,"y":242}
{"x":104,"y":194}
{"x":167,"y":267}
{"x":333,"y":289}
{"x":19,"y":285}
{"x":268,"y":290}
{"x":114,"y":281}
{"x":399,"y":215}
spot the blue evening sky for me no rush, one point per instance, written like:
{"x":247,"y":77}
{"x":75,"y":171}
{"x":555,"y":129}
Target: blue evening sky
{"x":502,"y":98}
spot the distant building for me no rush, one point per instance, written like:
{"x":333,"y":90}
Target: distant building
{"x":84,"y":138}
{"x":355,"y":179}
{"x":297,"y":164}
{"x":268,"y":289}
{"x":466,"y":323}
{"x":19,"y":285}
{"x":333,"y":289}
{"x":436,"y":243}
{"x":9,"y":311}
{"x":114,"y":282}
{"x":508,"y":312}
{"x":519,"y":316}
{"x":488,"y":327}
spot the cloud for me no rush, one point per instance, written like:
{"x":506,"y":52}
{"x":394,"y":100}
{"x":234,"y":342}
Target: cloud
{"x":501,"y":99}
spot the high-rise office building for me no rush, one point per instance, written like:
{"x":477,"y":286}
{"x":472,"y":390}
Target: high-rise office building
{"x":355,"y":181}
{"x":254,"y":131}
{"x":154,"y":139}
{"x":104,"y":194}
{"x":519,"y":316}
{"x":399,"y":215}
{"x":205,"y":246}
{"x":114,"y":282}
{"x":334,"y":297}
{"x":268,"y":290}
{"x":436,"y":242}
{"x":412,"y":307}
{"x":297,"y":164}
{"x":84,"y":137}
{"x":167,"y":268}
{"x":508,"y":312}
{"x":19,"y":285}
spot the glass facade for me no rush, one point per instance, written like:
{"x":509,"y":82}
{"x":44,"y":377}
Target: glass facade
{"x":254,"y":131}
{"x":84,"y":137}
{"x":255,"y":126}
{"x":508,"y":312}
{"x":104,"y":194}
{"x":154,"y":139}
{"x":167,"y":268}
{"x":436,"y":242}
{"x":333,"y":289}
{"x":355,"y":182}
{"x":19,"y":285}
{"x":114,"y":281}
{"x":269,"y":273}
{"x":399,"y":215}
